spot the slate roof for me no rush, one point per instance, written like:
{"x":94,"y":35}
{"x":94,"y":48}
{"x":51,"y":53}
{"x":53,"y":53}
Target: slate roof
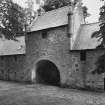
{"x":10,"y":47}
{"x":58,"y":17}
{"x":84,"y":39}
{"x":54,"y":18}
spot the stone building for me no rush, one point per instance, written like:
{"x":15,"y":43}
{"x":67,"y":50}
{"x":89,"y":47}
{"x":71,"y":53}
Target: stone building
{"x":12,"y":59}
{"x":59,"y":51}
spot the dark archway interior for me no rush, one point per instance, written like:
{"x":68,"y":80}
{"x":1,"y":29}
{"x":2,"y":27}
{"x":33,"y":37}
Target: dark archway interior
{"x":47,"y":73}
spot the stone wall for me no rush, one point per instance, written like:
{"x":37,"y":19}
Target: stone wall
{"x":93,"y":80}
{"x":13,"y":68}
{"x":82,"y":70}
{"x":55,"y":47}
{"x":75,"y":78}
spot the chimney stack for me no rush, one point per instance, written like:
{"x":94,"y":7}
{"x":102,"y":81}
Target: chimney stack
{"x":70,"y":25}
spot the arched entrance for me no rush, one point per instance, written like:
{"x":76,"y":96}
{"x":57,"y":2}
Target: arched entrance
{"x":47,"y":73}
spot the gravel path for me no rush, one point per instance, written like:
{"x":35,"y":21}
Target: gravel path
{"x":22,"y":94}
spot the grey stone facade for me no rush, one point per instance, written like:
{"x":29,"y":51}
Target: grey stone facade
{"x":12,"y":67}
{"x":51,"y":48}
{"x":56,"y":48}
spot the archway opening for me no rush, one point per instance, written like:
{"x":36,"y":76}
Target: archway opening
{"x":47,"y":73}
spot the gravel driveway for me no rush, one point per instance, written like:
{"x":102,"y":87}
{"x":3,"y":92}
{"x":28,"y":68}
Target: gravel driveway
{"x":22,"y":94}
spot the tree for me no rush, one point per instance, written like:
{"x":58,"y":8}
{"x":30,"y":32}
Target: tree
{"x":100,"y":65}
{"x":54,"y":4}
{"x":11,"y":19}
{"x":85,"y":12}
{"x":101,"y":33}
{"x":101,"y":36}
{"x":29,"y":12}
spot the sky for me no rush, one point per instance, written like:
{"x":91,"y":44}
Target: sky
{"x":93,"y":8}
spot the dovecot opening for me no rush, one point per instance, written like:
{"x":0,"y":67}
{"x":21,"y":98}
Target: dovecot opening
{"x":47,"y":73}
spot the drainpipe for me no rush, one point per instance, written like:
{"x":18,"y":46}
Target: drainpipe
{"x":70,"y":26}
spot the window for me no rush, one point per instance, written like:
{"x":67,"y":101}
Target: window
{"x":44,"y":34}
{"x":83,"y":55}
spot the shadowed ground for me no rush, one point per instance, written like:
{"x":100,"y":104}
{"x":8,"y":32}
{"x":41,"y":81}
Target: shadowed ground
{"x":22,"y":94}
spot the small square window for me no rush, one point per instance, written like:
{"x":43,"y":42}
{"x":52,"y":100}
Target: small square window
{"x":44,"y":34}
{"x":77,"y":69}
{"x":83,"y":55}
{"x":76,"y":65}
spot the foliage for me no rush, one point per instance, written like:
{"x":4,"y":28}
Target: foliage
{"x":101,"y":36}
{"x":85,"y":12}
{"x":11,"y":19}
{"x":29,"y":12}
{"x":54,"y":4}
{"x":101,"y":33}
{"x":100,"y":65}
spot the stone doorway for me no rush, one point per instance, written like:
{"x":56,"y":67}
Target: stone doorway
{"x":47,"y":73}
